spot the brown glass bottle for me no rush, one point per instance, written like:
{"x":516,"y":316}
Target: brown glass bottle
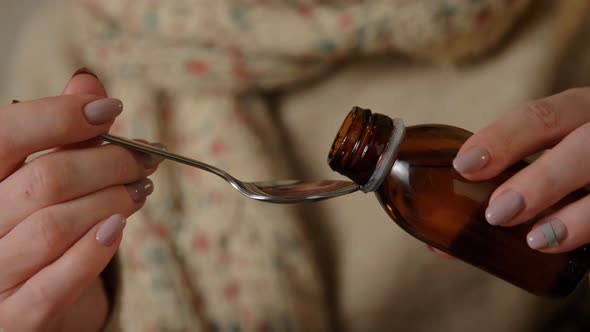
{"x":423,"y":194}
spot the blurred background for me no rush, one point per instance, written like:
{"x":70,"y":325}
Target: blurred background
{"x":12,"y":19}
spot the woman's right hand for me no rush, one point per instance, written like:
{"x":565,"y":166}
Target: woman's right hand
{"x":62,"y":213}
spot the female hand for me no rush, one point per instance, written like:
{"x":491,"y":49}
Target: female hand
{"x":561,"y":123}
{"x":63,"y":212}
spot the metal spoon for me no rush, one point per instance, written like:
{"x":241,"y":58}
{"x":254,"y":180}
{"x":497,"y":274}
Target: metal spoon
{"x":279,"y":191}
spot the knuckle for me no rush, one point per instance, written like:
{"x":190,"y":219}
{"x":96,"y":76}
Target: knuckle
{"x":540,"y":186}
{"x":543,"y":113}
{"x":42,"y":301}
{"x":46,"y":180}
{"x":3,"y":316}
{"x":581,"y":93}
{"x":62,"y":127}
{"x":7,"y":320}
{"x":48,"y":232}
{"x":61,"y":123}
{"x":126,"y":167}
{"x":6,"y":147}
{"x":40,"y":293}
{"x":585,"y":137}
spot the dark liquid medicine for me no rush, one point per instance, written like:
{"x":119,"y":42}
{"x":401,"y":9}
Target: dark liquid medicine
{"x":421,"y":191}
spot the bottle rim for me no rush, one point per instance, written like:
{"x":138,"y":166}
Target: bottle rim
{"x":387,"y":158}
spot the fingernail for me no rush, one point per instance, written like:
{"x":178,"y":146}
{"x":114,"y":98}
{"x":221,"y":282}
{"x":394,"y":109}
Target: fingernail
{"x":471,"y":160}
{"x":84,"y":70}
{"x":103,"y":110}
{"x":548,"y":234}
{"x":504,"y":208}
{"x":140,"y":190}
{"x":110,"y":229}
{"x":151,"y":160}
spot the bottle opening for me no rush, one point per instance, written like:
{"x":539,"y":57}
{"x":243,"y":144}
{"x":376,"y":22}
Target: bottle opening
{"x":359,"y":145}
{"x":340,"y":136}
{"x":348,"y":134}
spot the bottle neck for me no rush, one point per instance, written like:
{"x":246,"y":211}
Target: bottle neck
{"x":365,"y":147}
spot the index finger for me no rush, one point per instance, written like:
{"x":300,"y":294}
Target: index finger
{"x":529,"y":128}
{"x":34,"y":126}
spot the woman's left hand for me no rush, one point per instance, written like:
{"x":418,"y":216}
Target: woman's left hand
{"x":560,"y":123}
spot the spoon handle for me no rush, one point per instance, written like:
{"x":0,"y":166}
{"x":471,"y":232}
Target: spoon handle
{"x":146,"y":148}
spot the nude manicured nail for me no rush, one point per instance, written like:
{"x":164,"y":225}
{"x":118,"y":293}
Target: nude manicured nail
{"x":102,"y":111}
{"x":140,"y":190}
{"x":471,"y":160}
{"x":504,"y":208}
{"x":110,"y":229}
{"x":549,"y":234}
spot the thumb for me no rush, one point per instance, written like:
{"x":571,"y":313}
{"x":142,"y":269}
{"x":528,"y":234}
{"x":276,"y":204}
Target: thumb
{"x":84,"y":81}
